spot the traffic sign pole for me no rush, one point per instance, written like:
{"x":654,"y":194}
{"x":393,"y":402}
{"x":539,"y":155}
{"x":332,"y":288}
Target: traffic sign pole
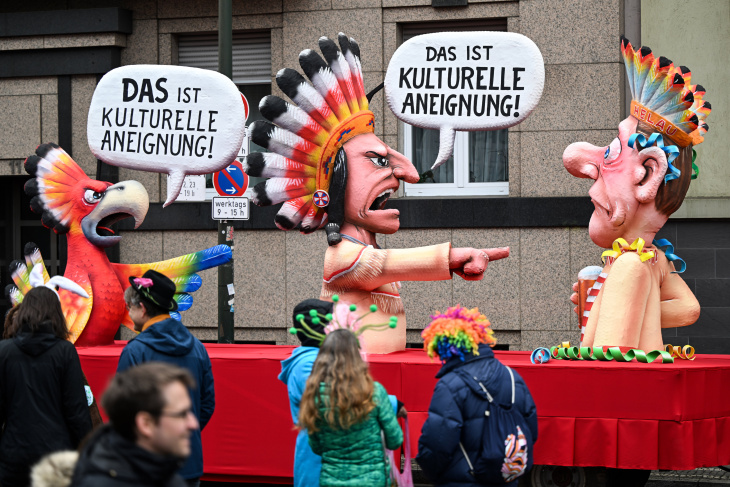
{"x":225,"y":229}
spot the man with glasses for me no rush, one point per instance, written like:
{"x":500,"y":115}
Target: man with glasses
{"x":148,"y":436}
{"x":150,"y":300}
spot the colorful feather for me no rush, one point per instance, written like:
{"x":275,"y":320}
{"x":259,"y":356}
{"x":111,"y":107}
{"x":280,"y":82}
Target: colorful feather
{"x":351,"y":53}
{"x":184,"y":301}
{"x":292,"y":212}
{"x":325,"y":82}
{"x":341,"y":69}
{"x":306,"y":97}
{"x":284,"y":143}
{"x":658,"y":72}
{"x":292,"y":118}
{"x":187,"y":284}
{"x":643,"y":61}
{"x":277,"y":190}
{"x":270,"y":165}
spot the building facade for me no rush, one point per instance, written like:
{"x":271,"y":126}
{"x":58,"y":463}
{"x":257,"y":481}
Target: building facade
{"x":504,"y":189}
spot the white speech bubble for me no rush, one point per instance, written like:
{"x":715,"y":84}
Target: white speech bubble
{"x":166,"y":119}
{"x":467,"y":81}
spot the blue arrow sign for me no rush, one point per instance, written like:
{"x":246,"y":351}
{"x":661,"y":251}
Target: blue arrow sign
{"x":231,"y":181}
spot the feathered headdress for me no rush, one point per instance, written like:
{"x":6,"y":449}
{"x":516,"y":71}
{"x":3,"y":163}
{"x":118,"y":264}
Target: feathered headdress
{"x":58,"y":182}
{"x":663,"y":96}
{"x":456,"y":333}
{"x":305,"y":136}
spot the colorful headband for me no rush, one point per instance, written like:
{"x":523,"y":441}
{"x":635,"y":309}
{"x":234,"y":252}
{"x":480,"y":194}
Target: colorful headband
{"x":305,"y":136}
{"x":663,"y":97}
{"x":342,"y":317}
{"x":457,"y":332}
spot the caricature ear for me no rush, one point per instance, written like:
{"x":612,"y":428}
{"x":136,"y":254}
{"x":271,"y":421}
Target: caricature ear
{"x":654,"y":162}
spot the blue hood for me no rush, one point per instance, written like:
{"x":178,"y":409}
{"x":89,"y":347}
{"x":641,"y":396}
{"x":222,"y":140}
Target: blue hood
{"x":168,"y":337}
{"x":299,"y":354}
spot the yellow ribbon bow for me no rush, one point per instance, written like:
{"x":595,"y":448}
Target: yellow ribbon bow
{"x":620,"y":246}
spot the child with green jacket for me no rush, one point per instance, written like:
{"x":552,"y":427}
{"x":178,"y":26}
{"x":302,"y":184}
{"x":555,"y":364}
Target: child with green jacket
{"x":345,"y":411}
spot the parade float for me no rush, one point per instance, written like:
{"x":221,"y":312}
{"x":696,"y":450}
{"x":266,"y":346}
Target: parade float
{"x":620,"y":399}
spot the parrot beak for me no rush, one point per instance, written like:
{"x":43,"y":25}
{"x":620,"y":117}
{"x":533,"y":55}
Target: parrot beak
{"x":127,"y":199}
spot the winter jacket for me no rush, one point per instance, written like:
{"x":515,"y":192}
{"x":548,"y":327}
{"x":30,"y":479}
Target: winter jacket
{"x":54,"y":470}
{"x":294,"y":373}
{"x":169,"y":341}
{"x":457,"y":414}
{"x":42,"y":401}
{"x":109,"y":460}
{"x":355,"y":457}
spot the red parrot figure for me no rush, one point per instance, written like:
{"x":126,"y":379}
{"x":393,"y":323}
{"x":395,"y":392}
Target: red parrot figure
{"x":84,"y":209}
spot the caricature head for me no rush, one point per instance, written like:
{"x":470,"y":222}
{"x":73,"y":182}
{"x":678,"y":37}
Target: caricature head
{"x":326,"y":163}
{"x":635,"y":188}
{"x":367,"y":173}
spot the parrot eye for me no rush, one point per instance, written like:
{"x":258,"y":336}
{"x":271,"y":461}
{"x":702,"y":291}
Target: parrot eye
{"x":92,"y":197}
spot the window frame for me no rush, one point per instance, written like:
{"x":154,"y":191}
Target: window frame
{"x":461,"y":185}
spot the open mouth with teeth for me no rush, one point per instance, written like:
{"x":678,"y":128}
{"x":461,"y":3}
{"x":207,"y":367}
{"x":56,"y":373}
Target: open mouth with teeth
{"x":382,"y":198}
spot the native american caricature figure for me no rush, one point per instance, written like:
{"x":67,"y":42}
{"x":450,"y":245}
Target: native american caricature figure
{"x":329,"y":169}
{"x":641,"y":178}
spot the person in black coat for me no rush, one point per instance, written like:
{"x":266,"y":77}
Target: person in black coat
{"x":462,"y":339}
{"x":43,"y":404}
{"x":148,"y":436}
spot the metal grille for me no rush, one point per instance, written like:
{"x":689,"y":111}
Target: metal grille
{"x":416,"y":29}
{"x":251,"y":55}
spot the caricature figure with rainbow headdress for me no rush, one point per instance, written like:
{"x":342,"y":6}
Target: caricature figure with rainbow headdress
{"x":329,"y":169}
{"x":641,"y":178}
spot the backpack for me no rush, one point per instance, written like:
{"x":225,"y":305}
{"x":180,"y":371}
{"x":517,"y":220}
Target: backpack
{"x":506,"y":450}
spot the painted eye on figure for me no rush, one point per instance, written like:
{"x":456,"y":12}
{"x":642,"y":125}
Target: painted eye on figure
{"x":92,"y":197}
{"x":612,"y":151}
{"x":378,"y":160}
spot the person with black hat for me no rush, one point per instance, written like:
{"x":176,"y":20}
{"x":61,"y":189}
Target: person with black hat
{"x":150,"y":299}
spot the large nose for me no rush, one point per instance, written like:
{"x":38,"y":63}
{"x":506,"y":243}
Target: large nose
{"x":402,"y":168}
{"x":582,"y":159}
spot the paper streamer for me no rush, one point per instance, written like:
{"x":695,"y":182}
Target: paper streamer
{"x":687,"y":352}
{"x":668,"y":249}
{"x":540,"y":355}
{"x":620,"y":246}
{"x":671,"y":151}
{"x":695,"y":169}
{"x":613,"y":353}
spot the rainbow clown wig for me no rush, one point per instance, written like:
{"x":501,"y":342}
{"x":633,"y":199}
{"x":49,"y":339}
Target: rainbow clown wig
{"x":303,"y":137}
{"x":456,"y":333}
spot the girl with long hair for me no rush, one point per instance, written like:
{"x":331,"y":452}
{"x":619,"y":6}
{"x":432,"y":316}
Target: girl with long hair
{"x":345,"y":411}
{"x":43,"y":405}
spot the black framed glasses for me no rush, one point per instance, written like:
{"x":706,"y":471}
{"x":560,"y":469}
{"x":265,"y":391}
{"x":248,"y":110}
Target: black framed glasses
{"x":179,"y":414}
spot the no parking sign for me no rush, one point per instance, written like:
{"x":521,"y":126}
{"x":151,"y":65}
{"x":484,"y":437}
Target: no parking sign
{"x":231,"y":181}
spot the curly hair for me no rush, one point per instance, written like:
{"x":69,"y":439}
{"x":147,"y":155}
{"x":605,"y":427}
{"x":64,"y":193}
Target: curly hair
{"x":340,"y":385}
{"x":670,"y":195}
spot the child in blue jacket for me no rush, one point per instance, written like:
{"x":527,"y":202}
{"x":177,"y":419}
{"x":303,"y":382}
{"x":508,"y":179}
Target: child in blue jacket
{"x":294,"y":373}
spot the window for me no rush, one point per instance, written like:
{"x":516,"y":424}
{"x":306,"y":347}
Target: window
{"x":479,"y":164}
{"x":18,"y":226}
{"x":251,"y":73}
